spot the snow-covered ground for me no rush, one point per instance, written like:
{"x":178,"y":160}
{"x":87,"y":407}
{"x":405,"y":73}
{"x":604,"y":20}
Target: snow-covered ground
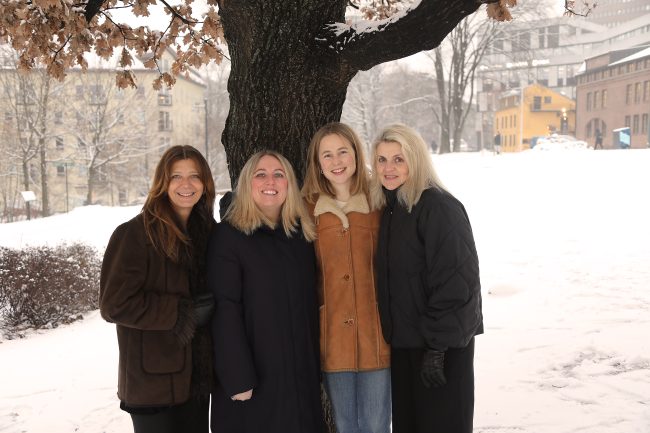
{"x":564,"y":243}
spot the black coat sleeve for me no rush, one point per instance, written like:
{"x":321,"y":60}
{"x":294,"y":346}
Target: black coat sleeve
{"x":233,"y":359}
{"x":452,"y":315}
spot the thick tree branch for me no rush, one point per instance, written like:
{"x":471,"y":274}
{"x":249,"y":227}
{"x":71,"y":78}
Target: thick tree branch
{"x":419,"y":29}
{"x":92,"y":8}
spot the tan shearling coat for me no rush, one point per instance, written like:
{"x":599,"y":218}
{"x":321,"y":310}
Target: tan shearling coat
{"x":350,"y":330}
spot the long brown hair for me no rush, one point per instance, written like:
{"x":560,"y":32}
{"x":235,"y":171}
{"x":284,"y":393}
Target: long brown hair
{"x":160,"y":221}
{"x":315,"y":182}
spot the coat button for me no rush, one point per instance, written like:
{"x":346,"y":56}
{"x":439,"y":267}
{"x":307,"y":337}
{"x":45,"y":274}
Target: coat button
{"x":346,"y":277}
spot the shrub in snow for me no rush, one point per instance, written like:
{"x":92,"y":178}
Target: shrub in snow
{"x":46,"y":286}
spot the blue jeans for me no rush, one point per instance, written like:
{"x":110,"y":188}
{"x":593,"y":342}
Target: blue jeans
{"x":360,"y":400}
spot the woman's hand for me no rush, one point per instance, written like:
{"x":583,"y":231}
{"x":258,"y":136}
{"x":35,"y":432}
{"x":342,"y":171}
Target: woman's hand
{"x":243,"y":396}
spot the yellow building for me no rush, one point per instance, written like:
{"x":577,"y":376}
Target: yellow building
{"x":543,"y":112}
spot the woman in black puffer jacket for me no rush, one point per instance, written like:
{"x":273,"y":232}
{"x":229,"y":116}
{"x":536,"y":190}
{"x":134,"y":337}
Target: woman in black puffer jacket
{"x":428,"y":286}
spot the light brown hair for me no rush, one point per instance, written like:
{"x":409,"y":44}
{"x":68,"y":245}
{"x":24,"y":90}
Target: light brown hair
{"x":315,"y":182}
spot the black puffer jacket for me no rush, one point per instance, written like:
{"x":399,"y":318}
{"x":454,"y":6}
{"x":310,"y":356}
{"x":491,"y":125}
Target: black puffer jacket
{"x":428,"y":285}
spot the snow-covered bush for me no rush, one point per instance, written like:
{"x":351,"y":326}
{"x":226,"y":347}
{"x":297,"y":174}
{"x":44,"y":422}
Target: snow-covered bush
{"x":45,"y":286}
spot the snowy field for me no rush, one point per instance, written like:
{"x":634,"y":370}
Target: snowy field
{"x":564,"y":244}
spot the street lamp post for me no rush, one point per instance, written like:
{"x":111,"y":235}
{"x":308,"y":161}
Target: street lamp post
{"x":205,"y":106}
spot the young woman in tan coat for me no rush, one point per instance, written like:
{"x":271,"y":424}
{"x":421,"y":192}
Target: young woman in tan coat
{"x":355,"y":359}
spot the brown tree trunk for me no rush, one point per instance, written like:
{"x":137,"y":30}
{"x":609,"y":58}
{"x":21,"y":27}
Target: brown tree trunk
{"x":281,"y":89}
{"x":290,"y":71}
{"x":42,"y":145}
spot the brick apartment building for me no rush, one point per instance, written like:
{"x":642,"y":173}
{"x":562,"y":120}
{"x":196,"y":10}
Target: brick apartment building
{"x":613,"y":92}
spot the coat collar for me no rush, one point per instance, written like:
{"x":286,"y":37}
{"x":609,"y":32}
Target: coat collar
{"x":357,"y":203}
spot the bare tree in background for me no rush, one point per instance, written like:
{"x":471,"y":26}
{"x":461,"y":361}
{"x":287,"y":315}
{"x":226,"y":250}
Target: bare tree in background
{"x":28,"y":102}
{"x":107,"y":135}
{"x":455,"y":63}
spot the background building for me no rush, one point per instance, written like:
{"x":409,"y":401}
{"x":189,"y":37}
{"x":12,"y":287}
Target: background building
{"x":537,"y":112}
{"x":549,"y":52}
{"x":612,"y":13}
{"x":83,"y":140}
{"x":614,"y":92}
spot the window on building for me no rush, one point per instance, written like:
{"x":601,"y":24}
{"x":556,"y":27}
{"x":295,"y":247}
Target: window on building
{"x":58,"y":117}
{"x":644,"y":124}
{"x":164,"y":97}
{"x":553,"y":36}
{"x":547,"y":99}
{"x":596,"y":99}
{"x":59,"y":143}
{"x":164,"y":122}
{"x":60,"y":170}
{"x":646,"y":91}
{"x":604,"y":98}
{"x":537,"y":103}
{"x":635,"y":124}
{"x":589,"y":101}
{"x":524,"y":41}
{"x":627,"y":121}
{"x":637,"y":93}
{"x":121,"y":196}
{"x":628,"y":94}
{"x":541,"y":36}
{"x":96,"y":94}
{"x":165,"y":142}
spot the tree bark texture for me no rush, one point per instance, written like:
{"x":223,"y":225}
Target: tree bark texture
{"x":290,"y":70}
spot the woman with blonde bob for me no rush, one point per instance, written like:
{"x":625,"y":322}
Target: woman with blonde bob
{"x":262,"y":272}
{"x":428,"y":287}
{"x":355,"y":359}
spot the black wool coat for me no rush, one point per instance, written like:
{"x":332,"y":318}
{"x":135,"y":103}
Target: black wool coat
{"x":428,"y":285}
{"x":265,"y":331}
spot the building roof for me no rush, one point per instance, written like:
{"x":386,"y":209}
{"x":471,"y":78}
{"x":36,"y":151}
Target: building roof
{"x":642,"y":53}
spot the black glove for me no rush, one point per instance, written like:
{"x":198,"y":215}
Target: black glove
{"x":203,"y":308}
{"x":433,"y":368}
{"x":186,"y":322}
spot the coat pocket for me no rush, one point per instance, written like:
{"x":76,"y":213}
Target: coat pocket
{"x":162,"y":353}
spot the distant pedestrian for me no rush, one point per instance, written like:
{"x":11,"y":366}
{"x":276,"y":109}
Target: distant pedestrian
{"x":599,"y":139}
{"x":497,"y":143}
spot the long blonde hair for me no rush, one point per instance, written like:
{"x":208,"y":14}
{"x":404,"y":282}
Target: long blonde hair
{"x":244,"y":214}
{"x":421,"y":175}
{"x":315,"y":182}
{"x":160,"y":220}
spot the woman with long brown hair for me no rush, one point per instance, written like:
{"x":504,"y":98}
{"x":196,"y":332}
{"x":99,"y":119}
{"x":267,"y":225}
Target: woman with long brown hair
{"x":153,"y":288}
